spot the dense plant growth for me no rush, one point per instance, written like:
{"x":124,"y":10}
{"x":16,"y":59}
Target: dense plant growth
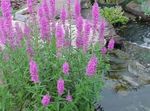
{"x":41,"y":69}
{"x":145,"y":8}
{"x":109,"y":1}
{"x":114,"y":15}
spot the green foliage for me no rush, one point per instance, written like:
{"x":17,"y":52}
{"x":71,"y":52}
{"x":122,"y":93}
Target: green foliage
{"x":18,"y":93}
{"x":114,"y":15}
{"x":145,"y":8}
{"x":139,"y":1}
{"x":109,"y":1}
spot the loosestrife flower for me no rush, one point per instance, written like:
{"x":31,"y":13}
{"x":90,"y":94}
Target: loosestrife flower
{"x":101,"y":31}
{"x":27,"y":34}
{"x":30,"y":6}
{"x":69,"y":97}
{"x":92,"y":65}
{"x":52,"y":8}
{"x":46,"y":100}
{"x":95,"y":14}
{"x":6,"y":8}
{"x":60,"y":86}
{"x":60,"y":34}
{"x":52,"y":13}
{"x":87,"y":29}
{"x":34,"y":71}
{"x":65,"y":68}
{"x":79,"y":26}
{"x":27,"y":31}
{"x":2,"y":32}
{"x":63,"y":15}
{"x":6,"y":12}
{"x":19,"y":34}
{"x":46,"y":8}
{"x":104,"y":50}
{"x":77,"y":9}
{"x":111,"y":44}
{"x":44,"y":28}
{"x":40,"y":12}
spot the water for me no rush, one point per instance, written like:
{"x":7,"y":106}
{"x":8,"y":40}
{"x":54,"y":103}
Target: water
{"x":118,"y":95}
{"x":137,"y":32}
{"x":132,"y":101}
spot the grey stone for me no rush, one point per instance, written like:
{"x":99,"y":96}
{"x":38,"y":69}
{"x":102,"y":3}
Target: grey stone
{"x":135,"y":9}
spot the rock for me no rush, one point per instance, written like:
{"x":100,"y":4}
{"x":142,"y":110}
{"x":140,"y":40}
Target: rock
{"x":135,"y":9}
{"x":21,"y":15}
{"x":131,"y":81}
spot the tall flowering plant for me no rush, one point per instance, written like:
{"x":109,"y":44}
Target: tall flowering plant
{"x":41,"y":74}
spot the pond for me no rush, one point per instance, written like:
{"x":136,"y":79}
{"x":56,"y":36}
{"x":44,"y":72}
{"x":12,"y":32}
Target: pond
{"x":124,"y":90}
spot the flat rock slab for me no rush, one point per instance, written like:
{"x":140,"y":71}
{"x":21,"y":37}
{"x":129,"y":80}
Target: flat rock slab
{"x":135,"y":9}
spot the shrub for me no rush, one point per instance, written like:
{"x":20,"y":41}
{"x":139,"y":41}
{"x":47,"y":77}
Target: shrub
{"x":42,"y":70}
{"x":145,"y":8}
{"x":114,"y":15}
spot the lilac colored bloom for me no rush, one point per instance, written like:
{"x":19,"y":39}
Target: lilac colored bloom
{"x":95,"y":14}
{"x":65,"y":68}
{"x":87,"y":29}
{"x":19,"y":34}
{"x":111,"y":44}
{"x":79,"y":26}
{"x":79,"y":41}
{"x":46,"y":100}
{"x":101,"y":31}
{"x":30,"y":6}
{"x":60,"y":34}
{"x":69,"y":97}
{"x":46,"y":8}
{"x":44,"y":28}
{"x":63,"y":15}
{"x":34,"y":71}
{"x":92,"y":65}
{"x":2,"y":32}
{"x":60,"y":86}
{"x":104,"y":50}
{"x":40,"y":12}
{"x":77,"y":9}
{"x":52,"y":8}
{"x":27,"y":31}
{"x":6,"y":12}
{"x":68,"y":2}
{"x":6,"y":8}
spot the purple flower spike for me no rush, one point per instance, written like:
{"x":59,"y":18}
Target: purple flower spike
{"x":77,"y":9}
{"x":95,"y":15}
{"x":63,"y":15}
{"x":30,"y":6}
{"x":65,"y":68}
{"x":44,"y":28}
{"x":60,"y":34}
{"x":111,"y":44}
{"x":69,"y":97}
{"x":92,"y":65}
{"x":104,"y":50}
{"x":34,"y":71}
{"x":60,"y":86}
{"x":102,"y":31}
{"x":46,"y":9}
{"x":46,"y":100}
{"x":87,"y":29}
